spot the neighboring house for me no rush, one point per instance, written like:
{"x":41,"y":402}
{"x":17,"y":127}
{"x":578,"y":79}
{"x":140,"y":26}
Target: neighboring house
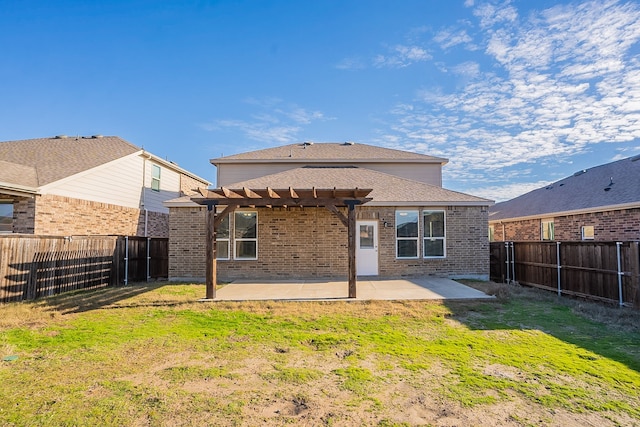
{"x":600,"y":203}
{"x":87,"y":186}
{"x":411,"y":227}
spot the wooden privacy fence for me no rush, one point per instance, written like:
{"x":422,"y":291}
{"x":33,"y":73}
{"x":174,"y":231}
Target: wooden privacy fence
{"x":607,"y":271}
{"x":36,"y":266}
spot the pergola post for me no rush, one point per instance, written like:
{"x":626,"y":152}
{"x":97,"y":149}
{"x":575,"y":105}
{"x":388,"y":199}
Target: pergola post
{"x":211,"y":269}
{"x":351,"y":231}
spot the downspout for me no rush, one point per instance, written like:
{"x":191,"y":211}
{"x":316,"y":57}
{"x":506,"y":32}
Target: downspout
{"x":144,"y":193}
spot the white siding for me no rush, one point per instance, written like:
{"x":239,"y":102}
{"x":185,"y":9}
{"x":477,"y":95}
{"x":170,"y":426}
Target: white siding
{"x":121,"y":183}
{"x":118,"y":182}
{"x":231,"y":173}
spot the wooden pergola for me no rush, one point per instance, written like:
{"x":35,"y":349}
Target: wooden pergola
{"x":233,"y":199}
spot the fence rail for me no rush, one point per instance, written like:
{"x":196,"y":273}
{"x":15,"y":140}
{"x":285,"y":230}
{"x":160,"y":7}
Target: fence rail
{"x":37,"y":266}
{"x":607,"y":271}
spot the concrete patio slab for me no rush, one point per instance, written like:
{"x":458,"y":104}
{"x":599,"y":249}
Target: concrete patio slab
{"x":428,"y":288}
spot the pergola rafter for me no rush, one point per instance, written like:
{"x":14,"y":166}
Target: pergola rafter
{"x":232,"y":199}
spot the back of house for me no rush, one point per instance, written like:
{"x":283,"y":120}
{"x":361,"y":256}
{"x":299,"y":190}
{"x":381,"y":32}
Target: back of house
{"x":408,"y":226}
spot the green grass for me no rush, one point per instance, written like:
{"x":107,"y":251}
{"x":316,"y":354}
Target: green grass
{"x":156,"y":357}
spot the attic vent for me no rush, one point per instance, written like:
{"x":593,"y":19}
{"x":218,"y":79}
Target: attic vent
{"x":580,"y":172}
{"x":634,"y":158}
{"x":349,"y":143}
{"x":61,"y":137}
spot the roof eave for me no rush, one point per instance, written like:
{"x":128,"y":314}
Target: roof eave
{"x":424,"y":203}
{"x":17,"y":190}
{"x":173,"y":166}
{"x":631,"y":205}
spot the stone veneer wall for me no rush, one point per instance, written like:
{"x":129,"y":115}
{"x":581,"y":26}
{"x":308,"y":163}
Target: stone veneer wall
{"x":60,"y":216}
{"x":610,"y":225}
{"x":312,"y":243}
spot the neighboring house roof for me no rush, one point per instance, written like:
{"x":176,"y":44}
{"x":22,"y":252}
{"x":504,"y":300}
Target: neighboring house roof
{"x":33,"y":163}
{"x":388,"y":190}
{"x":310,"y":152}
{"x":605,"y":187}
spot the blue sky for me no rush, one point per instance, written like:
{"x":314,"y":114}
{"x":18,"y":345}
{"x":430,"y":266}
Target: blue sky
{"x":515,"y":94}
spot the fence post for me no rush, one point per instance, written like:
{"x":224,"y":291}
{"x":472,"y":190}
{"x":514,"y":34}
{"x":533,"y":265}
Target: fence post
{"x":620,"y":273}
{"x":634,"y":257}
{"x":148,"y":258}
{"x":506,"y":249}
{"x":559,"y":268}
{"x":513,"y":262}
{"x":126,"y":260}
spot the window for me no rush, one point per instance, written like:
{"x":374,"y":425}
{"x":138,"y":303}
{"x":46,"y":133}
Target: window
{"x":6,"y":217}
{"x":222,"y":239}
{"x":547,"y":229}
{"x":587,"y":232}
{"x":492,"y":233}
{"x":407,"y":234}
{"x":246,"y":235}
{"x":155,"y":177}
{"x":434,"y":238}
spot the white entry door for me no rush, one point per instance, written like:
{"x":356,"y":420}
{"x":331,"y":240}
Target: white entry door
{"x":367,"y":248}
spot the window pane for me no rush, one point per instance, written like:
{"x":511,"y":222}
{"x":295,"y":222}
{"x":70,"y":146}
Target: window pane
{"x":407,"y":249}
{"x":433,"y":247}
{"x":246,"y":249}
{"x":433,"y":224}
{"x":222,"y":249}
{"x":6,"y":217}
{"x":407,"y":224}
{"x":366,"y":236}
{"x":245,"y":227}
{"x":155,"y":173}
{"x":222,"y":231}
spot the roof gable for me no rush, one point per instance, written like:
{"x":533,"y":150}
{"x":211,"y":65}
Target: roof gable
{"x":611,"y":184}
{"x":328,"y":153}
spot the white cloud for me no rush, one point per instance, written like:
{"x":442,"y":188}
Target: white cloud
{"x":563,"y":78}
{"x":500,"y":193}
{"x":451,"y":37}
{"x":274,"y":123}
{"x":351,"y":64}
{"x":402,"y":56}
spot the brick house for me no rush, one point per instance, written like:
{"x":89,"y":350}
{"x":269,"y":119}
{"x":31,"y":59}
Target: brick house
{"x":408,"y":224}
{"x":600,"y":203}
{"x":94,"y":185}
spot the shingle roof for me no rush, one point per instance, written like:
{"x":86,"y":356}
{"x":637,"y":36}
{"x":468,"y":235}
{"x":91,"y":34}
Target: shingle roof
{"x":37,"y":162}
{"x":611,"y":184}
{"x":328,"y":152}
{"x":387,"y":189}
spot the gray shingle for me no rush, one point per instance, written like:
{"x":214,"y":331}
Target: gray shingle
{"x":329,"y":152}
{"x":614,"y":183}
{"x":387,"y":189}
{"x":52,"y":159}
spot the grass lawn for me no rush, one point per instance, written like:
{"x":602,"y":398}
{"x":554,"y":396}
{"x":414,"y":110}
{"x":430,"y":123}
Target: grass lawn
{"x":153,"y":355}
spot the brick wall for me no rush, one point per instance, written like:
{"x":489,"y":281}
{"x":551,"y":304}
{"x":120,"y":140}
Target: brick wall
{"x":611,"y":225}
{"x":312,"y":243}
{"x":60,"y":216}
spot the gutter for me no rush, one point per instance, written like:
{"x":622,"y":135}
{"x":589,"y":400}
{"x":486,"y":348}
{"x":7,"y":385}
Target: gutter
{"x":17,"y":190}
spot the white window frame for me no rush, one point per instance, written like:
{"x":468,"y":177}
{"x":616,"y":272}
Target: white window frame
{"x":432,"y":238}
{"x":416,"y":238}
{"x":244,"y":239}
{"x":548,"y":226}
{"x":8,"y":202}
{"x":588,"y":232}
{"x":155,"y":180}
{"x":492,"y":233}
{"x":224,"y":240}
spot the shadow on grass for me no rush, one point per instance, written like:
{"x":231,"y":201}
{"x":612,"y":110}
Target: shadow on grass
{"x":607,"y":331}
{"x":87,"y":300}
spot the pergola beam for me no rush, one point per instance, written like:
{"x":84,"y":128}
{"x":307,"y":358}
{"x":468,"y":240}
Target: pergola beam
{"x":331,"y":199}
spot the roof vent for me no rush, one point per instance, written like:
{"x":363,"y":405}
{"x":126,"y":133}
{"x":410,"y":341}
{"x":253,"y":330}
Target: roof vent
{"x":549,"y":187}
{"x":634,"y":158}
{"x":580,"y":172}
{"x":96,"y":136}
{"x":304,"y":144}
{"x":349,"y":143}
{"x":61,"y":137}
